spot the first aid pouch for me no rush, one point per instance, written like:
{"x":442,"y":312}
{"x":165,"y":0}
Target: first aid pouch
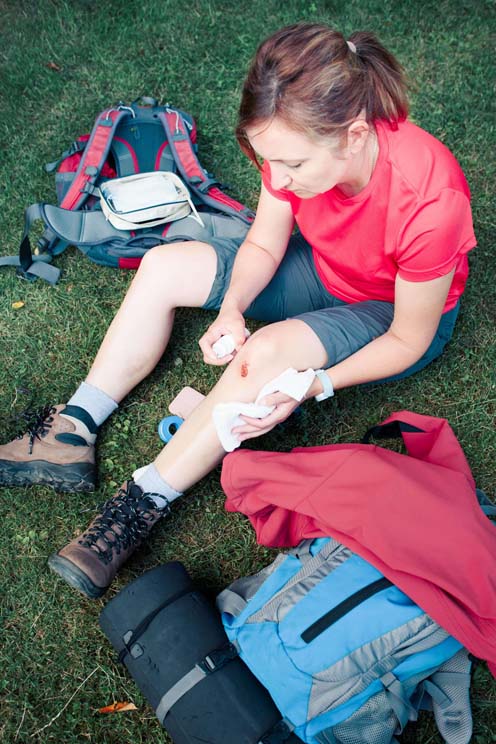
{"x":145,"y":200}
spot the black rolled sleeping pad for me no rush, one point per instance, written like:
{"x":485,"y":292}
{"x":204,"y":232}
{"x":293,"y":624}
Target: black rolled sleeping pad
{"x":163,"y":628}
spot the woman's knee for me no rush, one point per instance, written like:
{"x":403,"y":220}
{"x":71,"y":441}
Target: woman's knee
{"x":288,"y":343}
{"x":265,"y":345}
{"x":185,"y":271}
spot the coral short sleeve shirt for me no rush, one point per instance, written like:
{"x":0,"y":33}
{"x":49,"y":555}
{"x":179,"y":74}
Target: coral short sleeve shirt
{"x":413,"y":219}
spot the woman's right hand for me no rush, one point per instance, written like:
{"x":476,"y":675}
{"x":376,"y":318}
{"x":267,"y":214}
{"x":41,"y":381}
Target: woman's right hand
{"x":228,"y":322}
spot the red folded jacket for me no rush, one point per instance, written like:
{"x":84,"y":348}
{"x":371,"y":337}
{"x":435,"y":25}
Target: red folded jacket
{"x":415,"y":517}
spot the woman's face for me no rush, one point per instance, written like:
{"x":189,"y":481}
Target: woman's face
{"x":300,"y":164}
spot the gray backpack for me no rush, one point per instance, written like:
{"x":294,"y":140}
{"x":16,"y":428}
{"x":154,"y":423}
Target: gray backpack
{"x":141,"y":137}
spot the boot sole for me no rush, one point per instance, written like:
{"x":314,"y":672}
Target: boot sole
{"x":75,"y":577}
{"x":71,"y":478}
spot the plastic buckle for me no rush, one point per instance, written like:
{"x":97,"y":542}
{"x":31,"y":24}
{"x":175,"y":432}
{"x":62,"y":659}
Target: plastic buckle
{"x":218,"y":658}
{"x":25,"y":275}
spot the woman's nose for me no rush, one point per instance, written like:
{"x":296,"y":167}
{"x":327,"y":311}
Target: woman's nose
{"x":279,"y":177}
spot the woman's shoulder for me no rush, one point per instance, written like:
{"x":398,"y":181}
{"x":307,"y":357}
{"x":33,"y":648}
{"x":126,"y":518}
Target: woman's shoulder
{"x":422,"y":160}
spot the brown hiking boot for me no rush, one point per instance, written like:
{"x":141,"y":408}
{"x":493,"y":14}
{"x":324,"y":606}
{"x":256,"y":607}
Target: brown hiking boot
{"x":51,"y":452}
{"x":90,"y":561}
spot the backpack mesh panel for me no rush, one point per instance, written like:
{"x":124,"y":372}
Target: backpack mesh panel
{"x":454,"y":720}
{"x":373,"y":723}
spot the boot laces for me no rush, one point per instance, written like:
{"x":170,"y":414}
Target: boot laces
{"x":35,"y":423}
{"x":124,"y":521}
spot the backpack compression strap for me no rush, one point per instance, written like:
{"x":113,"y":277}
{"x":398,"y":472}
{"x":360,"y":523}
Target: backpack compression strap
{"x":188,"y":165}
{"x":83,"y":229}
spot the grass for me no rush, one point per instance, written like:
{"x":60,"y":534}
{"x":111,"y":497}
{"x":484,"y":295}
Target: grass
{"x":57,"y":668}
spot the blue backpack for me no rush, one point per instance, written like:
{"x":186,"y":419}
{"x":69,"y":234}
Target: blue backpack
{"x":347,"y":657}
{"x":126,"y":139}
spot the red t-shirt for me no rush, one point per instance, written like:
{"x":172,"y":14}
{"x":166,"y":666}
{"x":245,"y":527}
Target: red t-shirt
{"x":413,"y":219}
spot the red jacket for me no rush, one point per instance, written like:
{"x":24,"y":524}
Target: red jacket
{"x":416,"y":518}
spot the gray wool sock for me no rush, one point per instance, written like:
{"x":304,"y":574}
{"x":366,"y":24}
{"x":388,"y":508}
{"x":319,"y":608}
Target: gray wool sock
{"x":152,"y":483}
{"x":97,"y":403}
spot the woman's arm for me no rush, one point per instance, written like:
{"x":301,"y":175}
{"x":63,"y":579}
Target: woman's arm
{"x":418,"y":308}
{"x":417,"y":312}
{"x":256,"y":263}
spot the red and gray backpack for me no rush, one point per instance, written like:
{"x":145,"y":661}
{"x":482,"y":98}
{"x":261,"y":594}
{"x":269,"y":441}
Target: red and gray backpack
{"x":125,"y":140}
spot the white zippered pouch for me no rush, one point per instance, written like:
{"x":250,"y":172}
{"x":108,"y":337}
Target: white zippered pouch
{"x":145,"y":200}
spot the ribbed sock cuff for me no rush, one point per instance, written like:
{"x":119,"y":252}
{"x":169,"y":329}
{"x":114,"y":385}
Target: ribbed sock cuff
{"x":152,"y":483}
{"x":96,"y":402}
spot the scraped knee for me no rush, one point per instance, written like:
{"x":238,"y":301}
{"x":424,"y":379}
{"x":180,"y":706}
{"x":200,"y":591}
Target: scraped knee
{"x":262,"y":350}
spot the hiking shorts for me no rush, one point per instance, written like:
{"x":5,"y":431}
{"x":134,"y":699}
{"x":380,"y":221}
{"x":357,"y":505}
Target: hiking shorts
{"x":296,"y":291}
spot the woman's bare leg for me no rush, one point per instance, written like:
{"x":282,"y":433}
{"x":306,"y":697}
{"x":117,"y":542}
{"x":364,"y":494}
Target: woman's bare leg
{"x":195,"y":448}
{"x":91,"y":560}
{"x":170,"y":276}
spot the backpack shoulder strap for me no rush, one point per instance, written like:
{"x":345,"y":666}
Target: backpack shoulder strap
{"x":188,"y":165}
{"x":94,"y":156}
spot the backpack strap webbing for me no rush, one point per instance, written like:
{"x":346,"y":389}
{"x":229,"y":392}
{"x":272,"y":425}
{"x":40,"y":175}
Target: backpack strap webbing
{"x":188,"y":165}
{"x":212,"y":662}
{"x":94,"y":156}
{"x":82,"y":229}
{"x":28,"y":266}
{"x":74,"y":147}
{"x":398,"y":699}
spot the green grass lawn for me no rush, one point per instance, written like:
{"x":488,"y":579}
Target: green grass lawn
{"x":61,"y":63}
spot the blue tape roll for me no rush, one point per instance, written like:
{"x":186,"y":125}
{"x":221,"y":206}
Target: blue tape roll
{"x":168,"y":427}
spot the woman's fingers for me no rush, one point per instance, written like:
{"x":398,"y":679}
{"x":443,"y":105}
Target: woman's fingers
{"x":253,"y":427}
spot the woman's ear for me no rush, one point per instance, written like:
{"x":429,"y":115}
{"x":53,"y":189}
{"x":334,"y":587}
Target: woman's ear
{"x":358,"y":133}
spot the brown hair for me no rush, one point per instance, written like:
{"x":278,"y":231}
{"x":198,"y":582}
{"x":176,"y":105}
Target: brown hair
{"x":312,"y":79}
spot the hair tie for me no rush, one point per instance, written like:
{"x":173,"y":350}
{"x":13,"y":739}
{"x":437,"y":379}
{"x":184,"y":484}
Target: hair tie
{"x":352,"y":47}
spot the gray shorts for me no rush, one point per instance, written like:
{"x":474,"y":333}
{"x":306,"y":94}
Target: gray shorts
{"x":296,"y":291}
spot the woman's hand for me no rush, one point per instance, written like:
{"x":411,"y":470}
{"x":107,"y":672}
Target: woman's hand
{"x":229,"y":321}
{"x":284,"y":407}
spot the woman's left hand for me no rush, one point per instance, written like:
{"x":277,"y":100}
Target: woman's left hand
{"x":284,"y":407}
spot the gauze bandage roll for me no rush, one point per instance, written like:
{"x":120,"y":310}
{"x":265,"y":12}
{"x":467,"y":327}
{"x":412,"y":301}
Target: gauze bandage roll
{"x":225,"y":345}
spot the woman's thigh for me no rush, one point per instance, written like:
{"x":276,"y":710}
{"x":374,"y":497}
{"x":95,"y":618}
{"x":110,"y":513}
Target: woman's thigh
{"x":345,"y":329}
{"x":295,"y":288}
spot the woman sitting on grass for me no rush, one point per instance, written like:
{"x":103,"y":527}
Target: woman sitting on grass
{"x":368,"y":289}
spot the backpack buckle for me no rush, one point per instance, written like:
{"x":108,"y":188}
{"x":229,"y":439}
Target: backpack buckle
{"x":218,"y":658}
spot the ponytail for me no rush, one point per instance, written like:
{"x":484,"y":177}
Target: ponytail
{"x":315,"y":81}
{"x":385,"y":94}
